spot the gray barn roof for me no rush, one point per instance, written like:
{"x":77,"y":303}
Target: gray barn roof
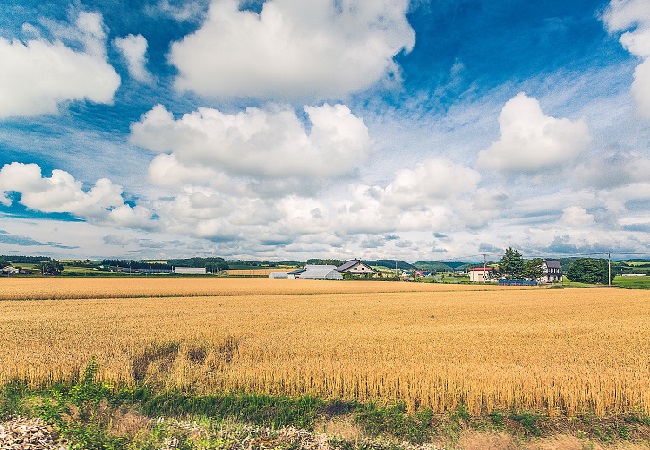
{"x":314,"y":272}
{"x":347,"y":265}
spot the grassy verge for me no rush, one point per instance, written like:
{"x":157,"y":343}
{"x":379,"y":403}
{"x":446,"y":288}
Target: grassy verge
{"x":90,"y":414}
{"x":632,"y":282}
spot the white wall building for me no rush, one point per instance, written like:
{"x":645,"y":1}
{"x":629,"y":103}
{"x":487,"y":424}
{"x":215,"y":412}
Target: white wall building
{"x":552,"y":272}
{"x":282,"y":276}
{"x":480,"y":275}
{"x":190,"y":270}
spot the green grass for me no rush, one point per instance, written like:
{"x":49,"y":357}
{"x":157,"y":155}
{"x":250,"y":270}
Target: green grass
{"x":618,"y":281}
{"x":632,"y":282}
{"x":638,"y":263}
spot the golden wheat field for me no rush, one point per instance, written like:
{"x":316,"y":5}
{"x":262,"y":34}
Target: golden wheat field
{"x":560,"y":350}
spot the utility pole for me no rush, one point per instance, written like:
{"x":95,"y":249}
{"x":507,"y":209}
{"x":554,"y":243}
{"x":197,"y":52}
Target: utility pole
{"x":484,"y":267}
{"x":609,"y":268}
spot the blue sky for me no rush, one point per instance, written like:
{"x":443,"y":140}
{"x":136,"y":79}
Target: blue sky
{"x":282,"y":129}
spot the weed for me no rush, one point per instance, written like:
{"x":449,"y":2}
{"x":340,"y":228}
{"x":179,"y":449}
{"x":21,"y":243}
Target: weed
{"x":10,"y":399}
{"x":528,"y":421}
{"x":395,"y":421}
{"x":497,"y":418}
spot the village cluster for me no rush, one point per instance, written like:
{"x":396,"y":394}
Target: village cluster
{"x":552,"y":273}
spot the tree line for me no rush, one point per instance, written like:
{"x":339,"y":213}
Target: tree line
{"x":513,"y":266}
{"x":211,"y":264}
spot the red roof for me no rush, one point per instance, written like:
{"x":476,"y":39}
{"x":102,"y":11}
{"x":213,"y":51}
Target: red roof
{"x":480,"y":269}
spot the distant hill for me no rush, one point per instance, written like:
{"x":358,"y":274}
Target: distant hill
{"x":327,"y":262}
{"x":246,"y":265}
{"x":436,"y":266}
{"x":390,"y":264}
{"x":439,"y":266}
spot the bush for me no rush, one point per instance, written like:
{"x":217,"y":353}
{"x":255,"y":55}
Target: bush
{"x":588,"y":270}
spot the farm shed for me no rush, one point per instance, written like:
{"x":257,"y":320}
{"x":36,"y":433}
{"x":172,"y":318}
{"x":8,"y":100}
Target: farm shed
{"x":282,"y":275}
{"x":190,"y":270}
{"x":318,"y":272}
{"x":480,"y":275}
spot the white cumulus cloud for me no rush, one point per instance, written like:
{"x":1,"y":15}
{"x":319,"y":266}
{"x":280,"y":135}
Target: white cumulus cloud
{"x":134,"y":51}
{"x":433,"y":179}
{"x":576,"y":217}
{"x":634,"y":15}
{"x":532,"y":141}
{"x":270,"y":142}
{"x":36,"y":76}
{"x":61,"y":193}
{"x":293,"y":48}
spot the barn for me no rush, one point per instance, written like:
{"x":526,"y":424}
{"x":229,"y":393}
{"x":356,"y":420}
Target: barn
{"x":320,"y":272}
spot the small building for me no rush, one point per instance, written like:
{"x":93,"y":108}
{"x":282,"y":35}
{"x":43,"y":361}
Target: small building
{"x":284,"y":275}
{"x":356,"y":267}
{"x":319,"y":272}
{"x":190,"y":270}
{"x":278,"y":275}
{"x":295,"y":273}
{"x":552,"y":272}
{"x":481,"y":275}
{"x":10,"y":270}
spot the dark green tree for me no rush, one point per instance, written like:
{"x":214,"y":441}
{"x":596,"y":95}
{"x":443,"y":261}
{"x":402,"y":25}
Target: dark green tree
{"x":50,"y":267}
{"x":534,"y":269}
{"x":511,"y":265}
{"x":589,"y":270}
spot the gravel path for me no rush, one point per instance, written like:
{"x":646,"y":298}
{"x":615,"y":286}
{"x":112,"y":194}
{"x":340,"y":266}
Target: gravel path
{"x":28,"y":434}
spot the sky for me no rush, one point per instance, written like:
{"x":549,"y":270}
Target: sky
{"x":335,"y":129}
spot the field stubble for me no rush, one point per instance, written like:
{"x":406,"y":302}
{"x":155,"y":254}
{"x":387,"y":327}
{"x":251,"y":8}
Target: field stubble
{"x":564,"y":351}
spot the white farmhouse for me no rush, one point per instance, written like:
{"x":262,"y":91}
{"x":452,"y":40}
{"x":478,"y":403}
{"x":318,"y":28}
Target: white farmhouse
{"x":355,"y":267}
{"x":552,"y":272}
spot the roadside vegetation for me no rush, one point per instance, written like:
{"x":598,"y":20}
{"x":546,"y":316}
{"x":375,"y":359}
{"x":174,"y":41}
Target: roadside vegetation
{"x":89,"y":414}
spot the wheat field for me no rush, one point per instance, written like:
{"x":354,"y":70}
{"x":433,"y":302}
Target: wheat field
{"x":562,"y":351}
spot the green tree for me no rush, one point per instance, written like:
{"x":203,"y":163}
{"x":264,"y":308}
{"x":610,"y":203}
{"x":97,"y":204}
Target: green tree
{"x":50,"y":267}
{"x":511,"y":265}
{"x":534,"y":269}
{"x":589,"y":270}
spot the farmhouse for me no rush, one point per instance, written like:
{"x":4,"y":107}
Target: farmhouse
{"x":10,"y":270}
{"x":552,"y":272}
{"x":480,"y":275}
{"x":355,"y":267}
